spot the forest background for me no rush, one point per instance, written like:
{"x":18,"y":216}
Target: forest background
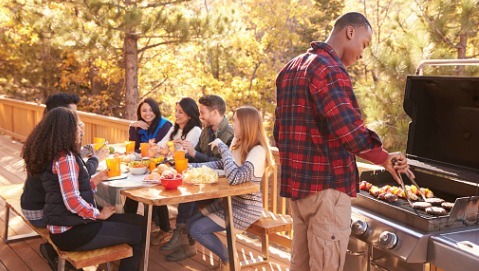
{"x":114,"y":53}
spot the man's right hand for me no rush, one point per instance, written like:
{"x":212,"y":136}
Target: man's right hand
{"x":399,"y":166}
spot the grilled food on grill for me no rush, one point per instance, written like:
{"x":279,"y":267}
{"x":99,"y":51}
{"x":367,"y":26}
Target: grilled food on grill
{"x":435,"y":201}
{"x":421,"y":205}
{"x":411,"y":195}
{"x":374,"y":191}
{"x":365,"y":186}
{"x":434,"y":210}
{"x":447,"y":205}
{"x":427,"y":192}
{"x":393,"y":193}
{"x":389,"y":197}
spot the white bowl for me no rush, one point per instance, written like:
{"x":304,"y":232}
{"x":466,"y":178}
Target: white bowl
{"x":138,"y":170}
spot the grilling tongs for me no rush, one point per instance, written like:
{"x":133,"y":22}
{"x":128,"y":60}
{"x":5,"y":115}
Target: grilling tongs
{"x":402,"y":183}
{"x":418,"y":188}
{"x":412,"y":181}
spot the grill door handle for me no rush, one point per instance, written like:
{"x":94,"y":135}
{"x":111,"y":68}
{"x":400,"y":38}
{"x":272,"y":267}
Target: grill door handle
{"x":377,"y":266}
{"x":355,"y":253}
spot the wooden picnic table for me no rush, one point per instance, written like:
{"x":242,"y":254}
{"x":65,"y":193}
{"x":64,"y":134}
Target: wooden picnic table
{"x":157,"y":196}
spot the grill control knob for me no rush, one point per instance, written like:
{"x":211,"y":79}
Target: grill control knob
{"x":359,"y":227}
{"x":388,"y":239}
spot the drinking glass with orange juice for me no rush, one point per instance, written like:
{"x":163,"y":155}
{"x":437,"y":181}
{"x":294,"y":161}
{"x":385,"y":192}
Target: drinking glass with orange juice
{"x":179,"y":154}
{"x":181,"y":165}
{"x":98,"y":142}
{"x":144,"y":147}
{"x":129,"y":147}
{"x":113,"y":166}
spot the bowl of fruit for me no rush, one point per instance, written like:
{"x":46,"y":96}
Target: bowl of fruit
{"x":170,"y":179}
{"x":137,"y":167}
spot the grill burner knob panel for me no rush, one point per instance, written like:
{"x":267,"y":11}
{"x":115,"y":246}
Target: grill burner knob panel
{"x":359,"y":227}
{"x":388,"y":239}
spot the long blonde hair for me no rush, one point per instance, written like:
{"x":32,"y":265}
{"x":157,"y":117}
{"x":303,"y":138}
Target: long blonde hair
{"x":252,"y":134}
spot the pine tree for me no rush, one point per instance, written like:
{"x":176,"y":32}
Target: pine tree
{"x":452,"y":26}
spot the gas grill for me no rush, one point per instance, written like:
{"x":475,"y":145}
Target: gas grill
{"x":443,"y":151}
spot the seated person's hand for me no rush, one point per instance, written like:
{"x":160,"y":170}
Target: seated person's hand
{"x":188,"y":147}
{"x":162,"y":150}
{"x":140,"y":124}
{"x":87,"y":151}
{"x":106,"y":212}
{"x":153,"y":148}
{"x":102,"y":153}
{"x":100,"y":177}
{"x":214,"y":143}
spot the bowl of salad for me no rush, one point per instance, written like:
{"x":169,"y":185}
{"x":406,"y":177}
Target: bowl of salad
{"x":138,"y":167}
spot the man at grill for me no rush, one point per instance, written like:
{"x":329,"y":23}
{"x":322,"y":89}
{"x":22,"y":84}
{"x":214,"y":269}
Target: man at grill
{"x":318,"y":131}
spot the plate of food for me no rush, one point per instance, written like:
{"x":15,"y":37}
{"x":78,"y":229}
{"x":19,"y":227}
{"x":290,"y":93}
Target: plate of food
{"x":152,"y":178}
{"x":124,"y":184}
{"x":119,"y":177}
{"x":202,"y":175}
{"x":151,"y":181}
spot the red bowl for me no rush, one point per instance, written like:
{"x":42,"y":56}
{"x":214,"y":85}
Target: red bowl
{"x":170,"y":184}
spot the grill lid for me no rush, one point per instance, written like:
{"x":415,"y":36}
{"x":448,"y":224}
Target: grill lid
{"x":444,"y":132}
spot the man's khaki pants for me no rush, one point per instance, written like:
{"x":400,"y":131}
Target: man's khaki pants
{"x":321,"y":225}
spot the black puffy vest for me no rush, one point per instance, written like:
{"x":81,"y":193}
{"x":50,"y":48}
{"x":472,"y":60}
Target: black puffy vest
{"x":55,"y":211}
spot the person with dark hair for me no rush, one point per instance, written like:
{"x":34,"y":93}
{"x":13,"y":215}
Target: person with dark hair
{"x":33,"y":197}
{"x":187,"y":124}
{"x":187,"y":128}
{"x":216,"y":125}
{"x":61,"y":99}
{"x":318,"y":130}
{"x":74,"y":222}
{"x":150,"y":127}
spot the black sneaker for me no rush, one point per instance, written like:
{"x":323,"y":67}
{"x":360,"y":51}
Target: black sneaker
{"x":49,"y":253}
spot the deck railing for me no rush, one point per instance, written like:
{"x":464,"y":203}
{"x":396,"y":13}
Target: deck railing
{"x":17,"y":119}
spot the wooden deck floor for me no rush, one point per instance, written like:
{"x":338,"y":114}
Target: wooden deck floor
{"x":25,"y":255}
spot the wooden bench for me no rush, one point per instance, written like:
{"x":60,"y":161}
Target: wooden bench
{"x":79,"y":259}
{"x":269,"y":225}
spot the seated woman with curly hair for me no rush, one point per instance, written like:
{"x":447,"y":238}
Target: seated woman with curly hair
{"x":73,"y":219}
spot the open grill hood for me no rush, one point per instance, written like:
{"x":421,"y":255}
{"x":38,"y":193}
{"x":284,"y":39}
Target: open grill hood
{"x":444,"y":132}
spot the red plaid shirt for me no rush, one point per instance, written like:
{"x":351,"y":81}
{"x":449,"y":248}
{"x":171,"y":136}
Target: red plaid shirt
{"x":67,"y":169}
{"x":318,"y":127}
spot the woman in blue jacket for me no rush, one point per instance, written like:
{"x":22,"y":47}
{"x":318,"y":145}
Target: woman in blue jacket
{"x":150,"y":127}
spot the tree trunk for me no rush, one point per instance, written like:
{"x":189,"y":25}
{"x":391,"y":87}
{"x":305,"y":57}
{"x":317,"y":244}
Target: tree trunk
{"x":131,"y":75}
{"x":461,"y":52}
{"x":95,"y":82}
